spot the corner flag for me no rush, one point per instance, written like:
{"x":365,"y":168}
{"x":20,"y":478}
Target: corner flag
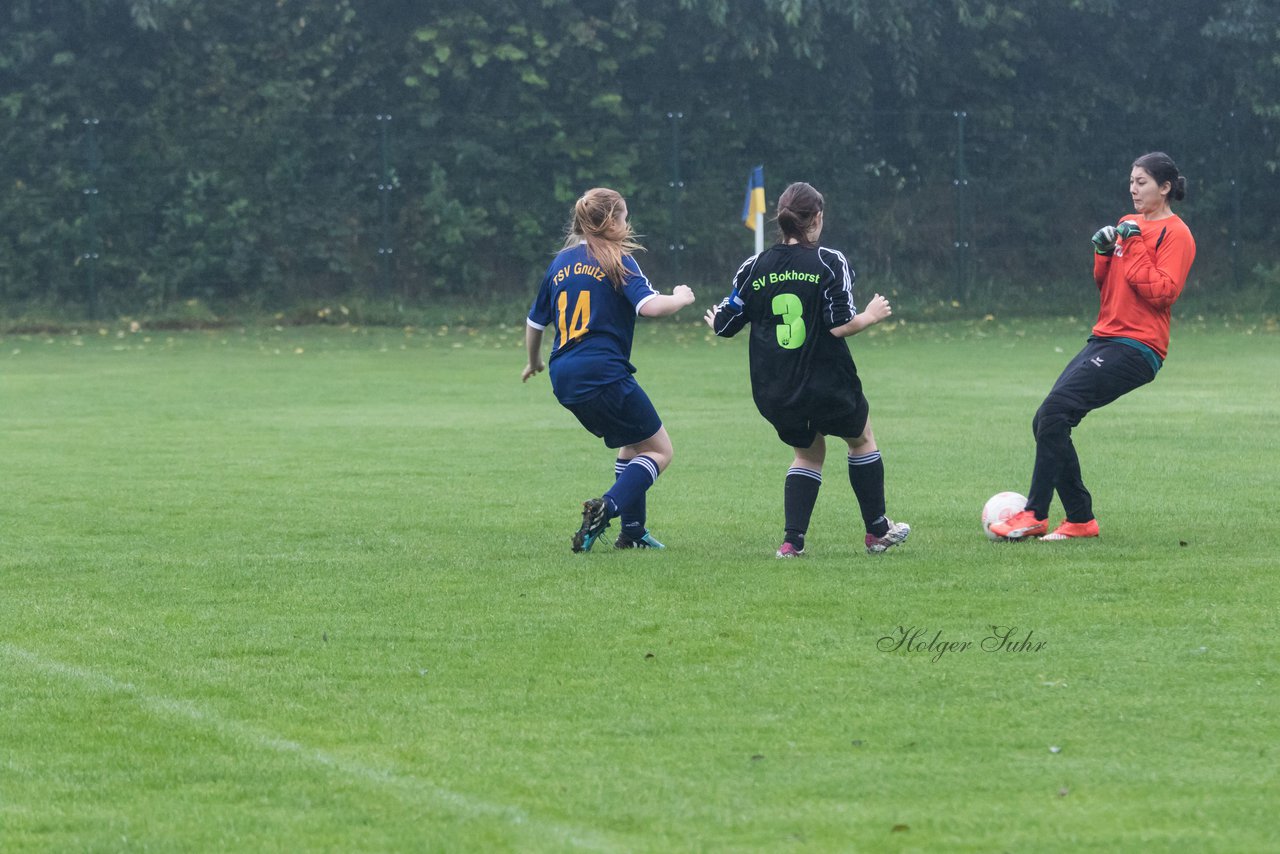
{"x":754,"y":203}
{"x":753,"y":207}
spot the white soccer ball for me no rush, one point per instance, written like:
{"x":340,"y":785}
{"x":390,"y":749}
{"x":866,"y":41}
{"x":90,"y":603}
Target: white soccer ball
{"x":999,"y":507}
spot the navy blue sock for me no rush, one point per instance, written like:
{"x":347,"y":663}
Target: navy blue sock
{"x":799,"y":495}
{"x":631,"y":484}
{"x":866,"y":475}
{"x":633,"y":514}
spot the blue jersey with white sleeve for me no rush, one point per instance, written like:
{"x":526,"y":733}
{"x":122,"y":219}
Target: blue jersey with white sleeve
{"x":594,"y":322}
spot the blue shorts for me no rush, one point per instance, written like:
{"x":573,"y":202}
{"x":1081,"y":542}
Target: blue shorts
{"x":620,"y":413}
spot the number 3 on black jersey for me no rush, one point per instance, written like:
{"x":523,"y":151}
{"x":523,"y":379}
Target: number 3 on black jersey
{"x":791,"y":332}
{"x":577,"y":325}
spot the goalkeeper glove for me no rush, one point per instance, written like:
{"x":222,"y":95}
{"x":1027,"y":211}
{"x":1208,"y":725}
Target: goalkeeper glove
{"x":1104,"y":240}
{"x":1127,"y":229}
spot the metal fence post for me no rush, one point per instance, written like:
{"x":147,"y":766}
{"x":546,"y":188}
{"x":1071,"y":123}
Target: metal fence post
{"x":676,"y":245}
{"x":962,"y":210}
{"x":90,"y":256}
{"x":1235,"y":199}
{"x":385,"y":186}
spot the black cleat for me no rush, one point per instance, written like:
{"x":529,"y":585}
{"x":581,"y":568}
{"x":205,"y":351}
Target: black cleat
{"x":645,"y":542}
{"x":595,"y":518}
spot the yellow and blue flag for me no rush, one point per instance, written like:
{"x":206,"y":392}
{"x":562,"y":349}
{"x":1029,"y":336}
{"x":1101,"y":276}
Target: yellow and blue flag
{"x":754,"y":202}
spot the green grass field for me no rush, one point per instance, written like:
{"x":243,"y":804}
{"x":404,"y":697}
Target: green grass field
{"x":311,"y":590}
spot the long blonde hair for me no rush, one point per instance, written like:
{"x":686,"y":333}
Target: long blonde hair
{"x":595,"y":220}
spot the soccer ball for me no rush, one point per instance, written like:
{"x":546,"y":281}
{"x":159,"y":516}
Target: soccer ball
{"x":999,"y":507}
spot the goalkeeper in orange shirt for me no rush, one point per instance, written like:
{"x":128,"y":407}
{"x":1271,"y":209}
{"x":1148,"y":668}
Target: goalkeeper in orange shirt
{"x":1140,"y":265}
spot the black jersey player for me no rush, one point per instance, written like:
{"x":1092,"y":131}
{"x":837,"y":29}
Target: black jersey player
{"x":798,"y":298}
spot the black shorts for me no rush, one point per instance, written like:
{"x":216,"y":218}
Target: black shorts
{"x":799,"y":427}
{"x":620,"y":413}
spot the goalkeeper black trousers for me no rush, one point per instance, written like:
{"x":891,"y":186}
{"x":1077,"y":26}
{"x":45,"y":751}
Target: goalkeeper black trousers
{"x":1100,"y":373}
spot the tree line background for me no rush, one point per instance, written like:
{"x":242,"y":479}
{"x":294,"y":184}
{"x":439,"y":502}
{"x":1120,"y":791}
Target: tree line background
{"x":274,"y":154}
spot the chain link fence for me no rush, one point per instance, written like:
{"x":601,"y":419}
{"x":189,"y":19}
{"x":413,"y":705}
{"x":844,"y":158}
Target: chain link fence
{"x":977,"y":209}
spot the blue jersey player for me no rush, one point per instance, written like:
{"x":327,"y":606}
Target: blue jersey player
{"x":590,"y":297}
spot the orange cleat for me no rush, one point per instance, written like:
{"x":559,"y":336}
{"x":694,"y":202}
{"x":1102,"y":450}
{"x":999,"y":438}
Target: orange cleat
{"x":1021,"y":525}
{"x":1072,"y":530}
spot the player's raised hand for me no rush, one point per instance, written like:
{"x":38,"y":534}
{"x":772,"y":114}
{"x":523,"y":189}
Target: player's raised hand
{"x":665,"y":305}
{"x":710,"y":316}
{"x":1127,"y":229}
{"x":1104,"y":240}
{"x":878,"y":308}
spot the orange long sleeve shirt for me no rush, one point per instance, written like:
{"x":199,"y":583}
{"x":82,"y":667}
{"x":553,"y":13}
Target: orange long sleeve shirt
{"x":1140,"y":282}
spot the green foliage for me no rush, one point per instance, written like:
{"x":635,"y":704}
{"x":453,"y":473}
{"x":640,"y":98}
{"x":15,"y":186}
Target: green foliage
{"x":297,"y":149}
{"x":1249,"y":30}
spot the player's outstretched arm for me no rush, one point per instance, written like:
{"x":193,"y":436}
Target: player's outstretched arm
{"x":666,"y":304}
{"x":533,"y":344}
{"x":874,"y":312}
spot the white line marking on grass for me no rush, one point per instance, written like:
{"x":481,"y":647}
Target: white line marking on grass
{"x":252,"y":736}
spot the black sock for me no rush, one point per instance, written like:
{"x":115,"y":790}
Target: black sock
{"x":798,"y":498}
{"x":866,"y":476}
